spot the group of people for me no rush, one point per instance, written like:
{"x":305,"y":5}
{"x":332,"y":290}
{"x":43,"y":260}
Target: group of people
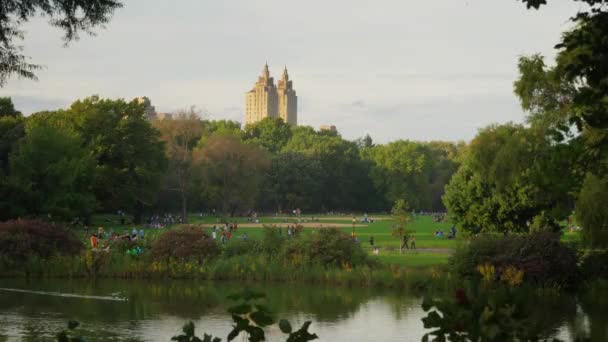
{"x":161,"y":221}
{"x":101,"y":240}
{"x":225,"y":232}
{"x":451,"y":235}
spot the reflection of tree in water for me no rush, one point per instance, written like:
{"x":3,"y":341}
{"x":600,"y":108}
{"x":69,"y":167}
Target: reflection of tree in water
{"x":594,"y":307}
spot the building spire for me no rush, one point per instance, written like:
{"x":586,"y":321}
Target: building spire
{"x":285,"y":74}
{"x":266,"y":72}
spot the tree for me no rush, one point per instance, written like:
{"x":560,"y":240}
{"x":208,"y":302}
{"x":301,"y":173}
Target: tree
{"x":413,"y":170}
{"x":591,"y":211}
{"x":129,"y":155}
{"x":293,"y":181}
{"x":233,"y":171}
{"x":510,"y":175}
{"x":72,"y":17}
{"x":270,"y":133}
{"x":51,"y":174}
{"x":180,"y":136}
{"x":7,"y":108}
{"x":345,"y":183}
{"x":400,"y":231}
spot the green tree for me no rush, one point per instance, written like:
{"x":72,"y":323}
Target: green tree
{"x":510,"y":175}
{"x":413,"y":170}
{"x":180,"y":136}
{"x":270,"y":133}
{"x":400,"y":229}
{"x":591,"y":211}
{"x":7,"y":108}
{"x":51,"y":174}
{"x":72,"y":17}
{"x":293,"y":181}
{"x":346,"y":183}
{"x":129,"y":155}
{"x":233,"y":172}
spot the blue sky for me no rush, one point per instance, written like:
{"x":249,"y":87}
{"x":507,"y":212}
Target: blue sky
{"x":396,"y":69}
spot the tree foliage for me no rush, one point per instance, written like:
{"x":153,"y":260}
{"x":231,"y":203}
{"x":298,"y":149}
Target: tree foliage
{"x":181,"y":136}
{"x":51,"y":174}
{"x":510,"y":175}
{"x":233,"y":172}
{"x":591,"y":211}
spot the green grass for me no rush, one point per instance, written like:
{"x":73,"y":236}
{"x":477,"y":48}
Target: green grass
{"x":432,"y":250}
{"x":423,"y":228}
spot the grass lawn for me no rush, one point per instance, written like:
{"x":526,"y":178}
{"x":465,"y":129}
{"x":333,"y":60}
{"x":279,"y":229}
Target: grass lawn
{"x":437,"y":249}
{"x":431,"y":251}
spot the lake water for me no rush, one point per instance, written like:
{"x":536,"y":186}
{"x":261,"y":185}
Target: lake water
{"x":156,"y":311}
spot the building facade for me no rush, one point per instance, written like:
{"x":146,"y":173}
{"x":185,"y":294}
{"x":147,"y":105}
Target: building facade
{"x":265,"y":100}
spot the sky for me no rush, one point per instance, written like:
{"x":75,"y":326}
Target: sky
{"x":395,"y":69}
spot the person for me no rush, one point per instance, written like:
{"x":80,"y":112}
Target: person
{"x":134,"y":232}
{"x":376,"y":251}
{"x":94,"y":241}
{"x":245,"y":237}
{"x":100,"y":232}
{"x":413,"y":242}
{"x":405,"y":238}
{"x":141,"y":233}
{"x":214,"y":234}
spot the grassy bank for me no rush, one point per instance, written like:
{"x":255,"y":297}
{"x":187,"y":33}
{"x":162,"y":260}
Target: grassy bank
{"x":238,"y":268}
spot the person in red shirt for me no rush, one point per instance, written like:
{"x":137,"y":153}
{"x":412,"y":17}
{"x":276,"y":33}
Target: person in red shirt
{"x":94,"y":241}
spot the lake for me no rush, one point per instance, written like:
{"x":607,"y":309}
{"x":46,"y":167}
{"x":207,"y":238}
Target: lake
{"x":156,"y":311}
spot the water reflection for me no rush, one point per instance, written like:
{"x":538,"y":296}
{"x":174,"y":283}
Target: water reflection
{"x":155,"y":311}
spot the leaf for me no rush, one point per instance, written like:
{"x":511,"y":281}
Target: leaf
{"x":256,"y":334}
{"x":188,"y":329}
{"x":242,"y":309}
{"x":73,"y":325}
{"x":261,"y":318}
{"x":302,"y":335}
{"x":285,"y":326}
{"x":62,"y":337}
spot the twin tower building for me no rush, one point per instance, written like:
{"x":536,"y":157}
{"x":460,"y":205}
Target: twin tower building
{"x":266,"y":100}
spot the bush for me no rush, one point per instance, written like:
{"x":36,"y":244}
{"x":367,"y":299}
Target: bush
{"x":593,"y":264}
{"x":240,"y":247}
{"x":591,"y":211}
{"x":326,"y":247}
{"x":187,"y":242}
{"x":21,"y":239}
{"x":541,"y":256}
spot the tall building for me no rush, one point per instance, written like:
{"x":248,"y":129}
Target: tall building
{"x":149,"y":109}
{"x":265,"y":100}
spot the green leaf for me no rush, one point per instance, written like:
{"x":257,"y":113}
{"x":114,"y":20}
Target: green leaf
{"x":285,"y":326}
{"x":261,"y":318}
{"x":73,"y":325}
{"x":242,"y":309}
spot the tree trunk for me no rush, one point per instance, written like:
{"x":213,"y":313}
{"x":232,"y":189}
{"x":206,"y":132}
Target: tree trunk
{"x":184,"y":207}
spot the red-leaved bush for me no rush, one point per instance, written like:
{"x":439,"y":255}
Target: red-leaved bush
{"x":20,"y":239}
{"x":185,"y":243}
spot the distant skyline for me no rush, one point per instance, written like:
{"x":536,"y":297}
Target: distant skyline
{"x":413,"y":70}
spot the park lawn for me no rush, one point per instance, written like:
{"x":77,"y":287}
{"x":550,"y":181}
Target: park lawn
{"x":432,"y":250}
{"x":413,"y":259}
{"x":423,"y":228}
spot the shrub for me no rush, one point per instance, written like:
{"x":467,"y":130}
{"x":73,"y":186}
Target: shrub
{"x":542,"y":258}
{"x":187,"y":242}
{"x":21,"y":239}
{"x":591,"y":211}
{"x":240,"y":247}
{"x":593,"y":264}
{"x":327,"y":247}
